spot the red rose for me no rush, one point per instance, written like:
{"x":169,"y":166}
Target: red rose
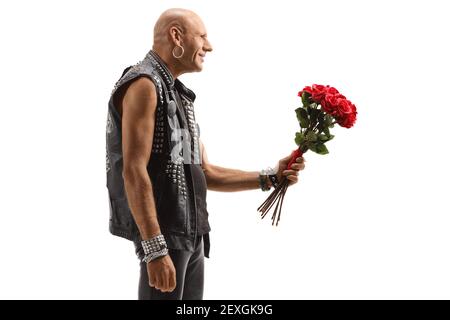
{"x":317,"y":92}
{"x":329,"y":104}
{"x":332,"y":90}
{"x":343,"y":106}
{"x":348,"y":121}
{"x":305,"y":89}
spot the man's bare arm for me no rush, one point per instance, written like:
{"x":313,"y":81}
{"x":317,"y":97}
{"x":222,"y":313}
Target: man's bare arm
{"x":138,"y":121}
{"x":225,"y":179}
{"x":228,"y":180}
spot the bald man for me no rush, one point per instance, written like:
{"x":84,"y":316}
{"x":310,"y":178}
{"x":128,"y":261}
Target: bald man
{"x":158,"y":172}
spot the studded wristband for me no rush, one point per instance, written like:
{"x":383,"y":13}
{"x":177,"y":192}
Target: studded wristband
{"x":263,"y":178}
{"x":268,"y":174}
{"x":154,"y":244}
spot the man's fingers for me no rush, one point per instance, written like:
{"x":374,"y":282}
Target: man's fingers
{"x":292,"y":179}
{"x":291,"y":175}
{"x":154,"y":283}
{"x":290,"y":172}
{"x":172,"y":282}
{"x":159,"y":285}
{"x":298,"y":166}
{"x":167,"y":281}
{"x":151,"y":280}
{"x":163,"y":282}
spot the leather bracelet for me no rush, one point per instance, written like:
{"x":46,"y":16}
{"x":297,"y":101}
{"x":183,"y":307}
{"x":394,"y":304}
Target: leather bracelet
{"x":155,"y":255}
{"x":263,"y":182}
{"x":274,"y":180}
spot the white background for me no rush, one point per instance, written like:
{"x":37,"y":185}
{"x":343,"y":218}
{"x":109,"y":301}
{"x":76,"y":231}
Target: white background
{"x":370,"y":220}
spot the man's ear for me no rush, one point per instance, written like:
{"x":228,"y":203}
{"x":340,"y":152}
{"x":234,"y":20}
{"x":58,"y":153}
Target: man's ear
{"x":175,"y":34}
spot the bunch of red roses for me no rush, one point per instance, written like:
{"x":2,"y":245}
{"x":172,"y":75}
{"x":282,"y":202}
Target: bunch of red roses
{"x":323,"y":106}
{"x":333,"y":103}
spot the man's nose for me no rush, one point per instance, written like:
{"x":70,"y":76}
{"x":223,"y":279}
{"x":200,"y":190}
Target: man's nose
{"x":208,"y":46}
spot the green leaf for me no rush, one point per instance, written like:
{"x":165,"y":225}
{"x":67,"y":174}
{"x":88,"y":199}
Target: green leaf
{"x":324,"y":138}
{"x":321,"y":148}
{"x":314,"y":115}
{"x":299,"y":138}
{"x":311,"y":136}
{"x":328,"y":119}
{"x":312,"y":146}
{"x":302,"y":117}
{"x":305,"y":99}
{"x":326,"y":130}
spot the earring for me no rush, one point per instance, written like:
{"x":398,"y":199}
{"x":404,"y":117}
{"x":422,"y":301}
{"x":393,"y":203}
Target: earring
{"x":182,"y":52}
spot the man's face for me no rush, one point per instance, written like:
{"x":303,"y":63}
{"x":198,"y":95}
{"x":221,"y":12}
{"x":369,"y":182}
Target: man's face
{"x":196,"y":44}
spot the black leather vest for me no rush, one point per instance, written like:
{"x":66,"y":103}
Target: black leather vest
{"x":175,"y":149}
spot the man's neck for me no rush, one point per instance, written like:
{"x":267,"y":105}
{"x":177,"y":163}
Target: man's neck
{"x":171,"y":63}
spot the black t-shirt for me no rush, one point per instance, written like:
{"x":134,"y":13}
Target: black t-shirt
{"x":200,"y":187}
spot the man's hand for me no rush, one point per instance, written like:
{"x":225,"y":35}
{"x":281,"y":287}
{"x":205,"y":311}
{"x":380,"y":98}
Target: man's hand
{"x":291,"y":174}
{"x":162,"y":274}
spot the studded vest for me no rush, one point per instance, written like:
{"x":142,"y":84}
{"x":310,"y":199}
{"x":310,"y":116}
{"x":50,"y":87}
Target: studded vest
{"x":175,"y":151}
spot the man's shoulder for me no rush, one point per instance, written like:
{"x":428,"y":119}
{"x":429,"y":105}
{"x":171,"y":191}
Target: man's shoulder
{"x":142,"y":68}
{"x":143,"y":76}
{"x":142,"y":85}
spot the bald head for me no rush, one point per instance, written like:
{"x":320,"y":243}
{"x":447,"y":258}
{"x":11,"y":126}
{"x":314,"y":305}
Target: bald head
{"x":178,"y":17}
{"x":180,"y":39}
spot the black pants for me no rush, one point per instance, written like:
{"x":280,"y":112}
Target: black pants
{"x":189,"y":268}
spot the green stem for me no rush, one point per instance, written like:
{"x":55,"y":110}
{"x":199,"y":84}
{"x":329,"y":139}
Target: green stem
{"x":310,"y":128}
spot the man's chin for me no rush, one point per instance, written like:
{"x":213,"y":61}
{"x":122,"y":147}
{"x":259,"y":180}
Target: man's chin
{"x":196,"y":68}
